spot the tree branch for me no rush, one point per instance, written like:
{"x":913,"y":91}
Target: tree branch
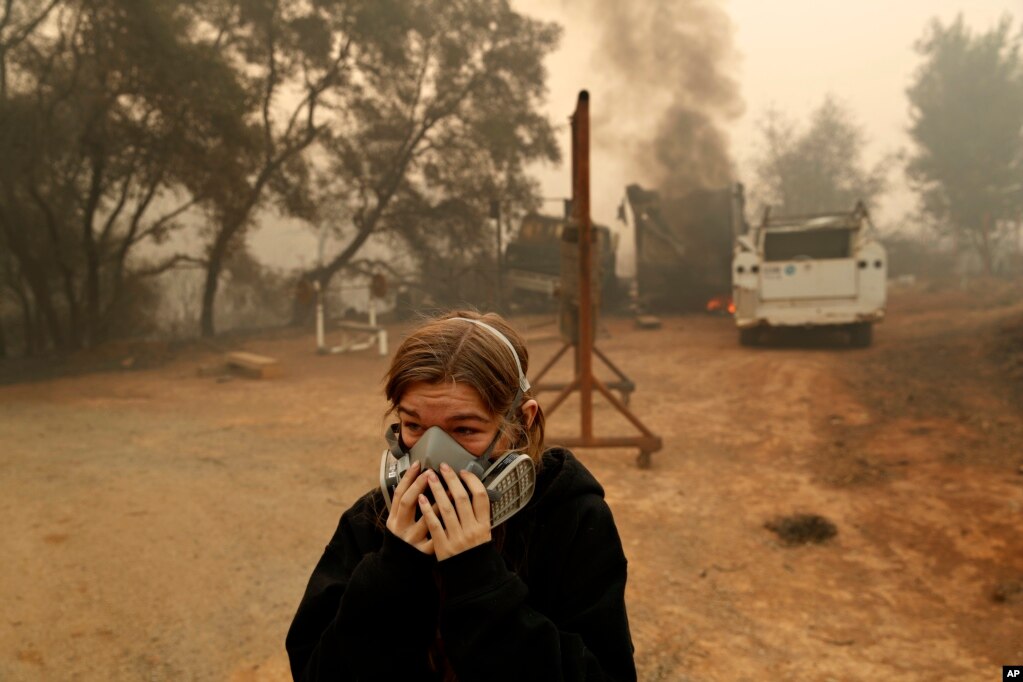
{"x":163,"y":220}
{"x":27,"y":29}
{"x":169,"y":264}
{"x":313,"y":92}
{"x":271,"y":85}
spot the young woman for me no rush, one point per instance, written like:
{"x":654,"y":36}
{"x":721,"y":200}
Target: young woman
{"x":416,"y":585}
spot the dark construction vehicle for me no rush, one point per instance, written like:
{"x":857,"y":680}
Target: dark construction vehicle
{"x":532,"y":261}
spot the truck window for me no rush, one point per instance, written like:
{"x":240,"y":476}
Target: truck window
{"x":815,"y":244}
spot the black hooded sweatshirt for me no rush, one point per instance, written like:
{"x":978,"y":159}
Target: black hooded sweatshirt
{"x":544,"y":600}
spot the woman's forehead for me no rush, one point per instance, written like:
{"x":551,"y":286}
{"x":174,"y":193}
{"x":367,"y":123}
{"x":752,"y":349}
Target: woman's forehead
{"x":443,"y":399}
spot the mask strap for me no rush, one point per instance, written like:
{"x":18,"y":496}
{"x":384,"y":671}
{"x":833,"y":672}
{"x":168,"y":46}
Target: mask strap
{"x":523,"y":382}
{"x":393,"y":438}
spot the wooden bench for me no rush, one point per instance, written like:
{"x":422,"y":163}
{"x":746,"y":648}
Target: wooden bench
{"x":253,"y":365}
{"x":648,"y":322}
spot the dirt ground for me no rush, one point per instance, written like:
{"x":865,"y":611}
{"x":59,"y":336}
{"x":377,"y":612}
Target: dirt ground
{"x":161,"y":525}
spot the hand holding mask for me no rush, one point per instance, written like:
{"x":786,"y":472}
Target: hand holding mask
{"x":509,"y":479}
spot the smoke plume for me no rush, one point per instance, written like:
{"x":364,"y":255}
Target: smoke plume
{"x":669,"y":64}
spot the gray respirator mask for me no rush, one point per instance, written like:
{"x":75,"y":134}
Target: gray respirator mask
{"x":509,"y":479}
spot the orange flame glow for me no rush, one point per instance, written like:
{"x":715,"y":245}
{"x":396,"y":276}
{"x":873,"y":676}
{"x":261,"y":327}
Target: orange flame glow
{"x":720,"y":304}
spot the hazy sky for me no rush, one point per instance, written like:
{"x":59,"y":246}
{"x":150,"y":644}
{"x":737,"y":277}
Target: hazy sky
{"x":789,"y":55}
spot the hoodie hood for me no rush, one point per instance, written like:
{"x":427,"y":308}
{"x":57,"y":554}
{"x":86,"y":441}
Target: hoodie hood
{"x":561,"y":478}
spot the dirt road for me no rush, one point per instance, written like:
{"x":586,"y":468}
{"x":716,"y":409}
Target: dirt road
{"x":161,"y":525}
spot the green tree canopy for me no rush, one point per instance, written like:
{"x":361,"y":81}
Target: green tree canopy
{"x":966,"y":108}
{"x":112,"y":123}
{"x":432,"y":136}
{"x":301,"y":62}
{"x":117,"y":117}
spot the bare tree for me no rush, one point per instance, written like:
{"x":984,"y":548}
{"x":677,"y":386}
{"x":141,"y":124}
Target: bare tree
{"x":816,"y":168}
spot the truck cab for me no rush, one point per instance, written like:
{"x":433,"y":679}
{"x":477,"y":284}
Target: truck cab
{"x":817,"y":270}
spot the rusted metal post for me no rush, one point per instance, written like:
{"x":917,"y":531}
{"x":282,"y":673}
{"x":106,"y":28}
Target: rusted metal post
{"x":583,"y":344}
{"x":581,"y":194}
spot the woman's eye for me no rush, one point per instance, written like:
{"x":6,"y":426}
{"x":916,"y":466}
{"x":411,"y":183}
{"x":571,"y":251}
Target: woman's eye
{"x":412,"y":428}
{"x":465,"y":431}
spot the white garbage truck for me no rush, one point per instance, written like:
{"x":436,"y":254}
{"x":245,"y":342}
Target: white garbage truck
{"x":817,"y":270}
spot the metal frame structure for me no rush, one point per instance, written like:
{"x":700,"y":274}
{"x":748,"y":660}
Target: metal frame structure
{"x":585,"y":382}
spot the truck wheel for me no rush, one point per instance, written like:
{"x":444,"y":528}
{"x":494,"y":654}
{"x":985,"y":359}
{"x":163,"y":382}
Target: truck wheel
{"x":861,"y":334}
{"x":749,"y":336}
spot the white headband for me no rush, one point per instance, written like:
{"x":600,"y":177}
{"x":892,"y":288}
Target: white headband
{"x":523,"y":382}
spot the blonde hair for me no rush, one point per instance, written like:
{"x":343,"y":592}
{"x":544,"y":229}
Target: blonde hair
{"x":449,"y":349}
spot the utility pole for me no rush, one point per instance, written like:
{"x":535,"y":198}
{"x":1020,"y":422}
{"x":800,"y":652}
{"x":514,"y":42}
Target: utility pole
{"x":320,"y":343}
